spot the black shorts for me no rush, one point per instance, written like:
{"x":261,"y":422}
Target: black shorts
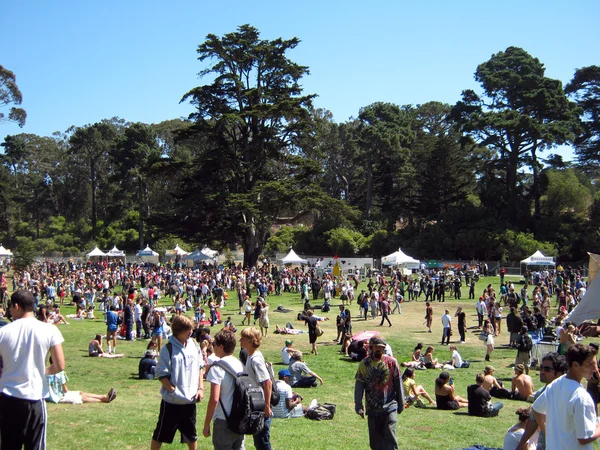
{"x":176,"y":417}
{"x":22,"y":422}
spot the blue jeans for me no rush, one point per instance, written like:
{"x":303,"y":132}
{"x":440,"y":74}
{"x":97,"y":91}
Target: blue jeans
{"x":446,"y":335}
{"x":262,"y":440}
{"x":496,"y":407}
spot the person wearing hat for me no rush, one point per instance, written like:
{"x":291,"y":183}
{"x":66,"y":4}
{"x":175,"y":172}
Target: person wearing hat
{"x":522,"y":384}
{"x":147,"y":365}
{"x":290,"y":403}
{"x":302,"y":376}
{"x":287,"y":351}
{"x":378,"y":380}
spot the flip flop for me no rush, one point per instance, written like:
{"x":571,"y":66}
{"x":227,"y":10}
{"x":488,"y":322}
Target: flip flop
{"x":112,"y":394}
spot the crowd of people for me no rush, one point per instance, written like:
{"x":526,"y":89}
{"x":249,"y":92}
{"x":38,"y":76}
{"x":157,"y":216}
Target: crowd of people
{"x":184,"y":356}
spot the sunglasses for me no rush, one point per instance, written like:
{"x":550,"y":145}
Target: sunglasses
{"x":547,"y":369}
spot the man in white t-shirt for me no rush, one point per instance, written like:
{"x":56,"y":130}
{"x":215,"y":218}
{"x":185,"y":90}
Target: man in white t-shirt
{"x":24,"y":345}
{"x":290,"y":403}
{"x":287,"y":351}
{"x":256,"y":367}
{"x":565,"y":411}
{"x":447,"y":323}
{"x":222,"y":388}
{"x":457,"y":360}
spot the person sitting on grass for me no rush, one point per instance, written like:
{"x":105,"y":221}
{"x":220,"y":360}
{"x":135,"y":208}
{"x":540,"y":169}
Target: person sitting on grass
{"x":418,"y":359}
{"x":480,"y":403}
{"x":430,"y":361}
{"x":290,"y":403}
{"x":493,"y":386}
{"x":56,"y":317}
{"x":95,"y":349}
{"x":522,"y":384}
{"x":302,"y":376}
{"x":287,"y":351}
{"x":357,"y":350}
{"x":456,"y":362}
{"x":514,"y":434}
{"x":444,"y":394}
{"x":147,"y":366}
{"x":59,"y":393}
{"x":414,"y":391}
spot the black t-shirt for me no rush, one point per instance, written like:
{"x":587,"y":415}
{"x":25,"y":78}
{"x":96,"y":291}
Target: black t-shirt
{"x":479,"y":399}
{"x":312,"y":324}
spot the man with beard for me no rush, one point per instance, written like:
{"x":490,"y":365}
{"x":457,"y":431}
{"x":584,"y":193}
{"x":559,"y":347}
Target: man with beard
{"x":378,"y":380}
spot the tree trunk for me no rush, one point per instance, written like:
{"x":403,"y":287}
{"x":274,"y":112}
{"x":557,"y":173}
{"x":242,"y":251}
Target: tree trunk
{"x":369,"y":194}
{"x":536,"y":186}
{"x":141,"y":213}
{"x":93,"y":180}
{"x":253,"y":243}
{"x":511,"y":184}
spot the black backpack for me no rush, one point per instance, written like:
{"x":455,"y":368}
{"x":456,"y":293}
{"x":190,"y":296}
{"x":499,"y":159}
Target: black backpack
{"x":325,"y":411}
{"x":247,"y":414}
{"x":525,"y":343}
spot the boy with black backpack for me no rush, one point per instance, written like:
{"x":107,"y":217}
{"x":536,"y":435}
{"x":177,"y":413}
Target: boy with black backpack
{"x":236,"y":403}
{"x":524,"y":346}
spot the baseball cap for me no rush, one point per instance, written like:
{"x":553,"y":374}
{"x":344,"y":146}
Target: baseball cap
{"x":377,"y":341}
{"x":288,"y":342}
{"x":284,"y":373}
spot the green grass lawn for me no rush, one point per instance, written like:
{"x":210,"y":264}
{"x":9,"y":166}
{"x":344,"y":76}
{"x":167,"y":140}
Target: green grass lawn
{"x":128,"y":422}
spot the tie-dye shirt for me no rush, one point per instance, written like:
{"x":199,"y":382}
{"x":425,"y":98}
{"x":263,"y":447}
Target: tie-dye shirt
{"x":381,"y":380}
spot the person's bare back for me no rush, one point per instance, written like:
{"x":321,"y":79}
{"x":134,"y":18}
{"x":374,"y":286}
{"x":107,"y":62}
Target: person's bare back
{"x":489,"y":381}
{"x":523,"y":384}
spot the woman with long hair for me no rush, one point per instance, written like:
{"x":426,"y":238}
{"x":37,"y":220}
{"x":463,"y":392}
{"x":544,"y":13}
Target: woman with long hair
{"x":412,"y":390}
{"x":444,"y":394}
{"x":489,"y":341}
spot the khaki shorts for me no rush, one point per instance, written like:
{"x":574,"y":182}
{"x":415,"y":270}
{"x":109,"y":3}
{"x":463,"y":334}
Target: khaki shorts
{"x":523,"y":358}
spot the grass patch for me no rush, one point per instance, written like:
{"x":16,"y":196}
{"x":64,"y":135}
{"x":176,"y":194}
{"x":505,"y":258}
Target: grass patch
{"x":128,"y":422}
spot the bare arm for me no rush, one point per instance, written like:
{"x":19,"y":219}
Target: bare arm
{"x":530,"y":428}
{"x":200,"y":393}
{"x":215,"y":393}
{"x":541,"y":420}
{"x":268,"y":388}
{"x":311,"y":373}
{"x":58,"y":360}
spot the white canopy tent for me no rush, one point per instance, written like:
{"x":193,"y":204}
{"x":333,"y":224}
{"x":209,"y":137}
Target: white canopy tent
{"x":208,"y":252}
{"x":147,"y":252}
{"x":588,"y":307}
{"x":115,"y":252}
{"x":594,"y":266}
{"x":95,"y":253}
{"x":400,"y":258}
{"x":293,"y":258}
{"x":538,"y":259}
{"x":5,"y":252}
{"x":198,"y":255}
{"x":179,"y":251}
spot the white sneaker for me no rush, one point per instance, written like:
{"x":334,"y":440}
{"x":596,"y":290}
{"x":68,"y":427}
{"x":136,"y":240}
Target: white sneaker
{"x":313,"y":404}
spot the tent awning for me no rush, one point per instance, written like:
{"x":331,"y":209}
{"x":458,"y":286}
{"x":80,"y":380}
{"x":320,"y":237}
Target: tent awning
{"x":4,"y":251}
{"x":198,"y":255}
{"x":400,"y":258}
{"x":208,"y":252}
{"x":538,"y":259}
{"x":293,"y":258}
{"x":147,"y":252}
{"x":115,"y":252}
{"x":179,"y":251}
{"x":95,"y":252}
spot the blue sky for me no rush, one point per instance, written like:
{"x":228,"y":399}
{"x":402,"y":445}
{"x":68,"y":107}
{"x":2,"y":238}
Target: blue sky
{"x":80,"y":62}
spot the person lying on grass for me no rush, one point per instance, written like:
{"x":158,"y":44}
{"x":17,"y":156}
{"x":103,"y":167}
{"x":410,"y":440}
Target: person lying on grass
{"x":95,"y":349}
{"x":59,"y":393}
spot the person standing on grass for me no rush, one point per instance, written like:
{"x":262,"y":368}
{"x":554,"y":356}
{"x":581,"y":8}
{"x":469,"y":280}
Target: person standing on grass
{"x":447,"y":324}
{"x":180,"y":370}
{"x":24,"y":345}
{"x":565,"y":411}
{"x":221,"y":394}
{"x":384,"y":307}
{"x":256,"y":367}
{"x":112,"y":324}
{"x":553,"y":366}
{"x":428,"y":316}
{"x":462,"y":323}
{"x":378,"y":380}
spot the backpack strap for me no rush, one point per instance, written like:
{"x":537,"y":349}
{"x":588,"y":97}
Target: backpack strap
{"x":227,"y":368}
{"x":169,"y":346}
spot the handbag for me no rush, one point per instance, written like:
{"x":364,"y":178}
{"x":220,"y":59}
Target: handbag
{"x":483,"y":336}
{"x":319,"y":331}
